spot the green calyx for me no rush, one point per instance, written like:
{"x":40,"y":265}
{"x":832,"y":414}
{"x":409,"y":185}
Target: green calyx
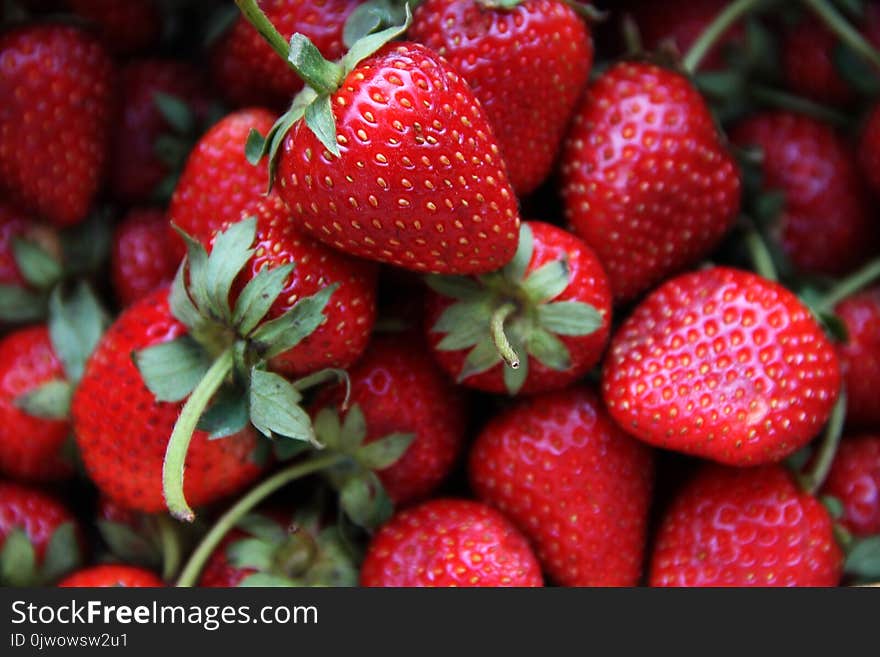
{"x":302,"y":554}
{"x":220,"y":365}
{"x":322,"y":77}
{"x":19,"y":563}
{"x":508,"y":315}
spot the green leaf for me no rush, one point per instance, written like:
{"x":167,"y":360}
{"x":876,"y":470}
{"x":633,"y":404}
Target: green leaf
{"x":364,"y":500}
{"x":17,"y":560}
{"x":50,"y":400}
{"x":87,"y":244}
{"x":320,"y":74}
{"x":262,"y":527}
{"x":218,"y":23}
{"x":285,"y":332}
{"x":197,"y":267}
{"x":481,"y":358}
{"x":856,"y":71}
{"x":864,"y":558}
{"x":514,"y":379}
{"x":275,"y":410}
{"x":179,"y":300}
{"x":227,"y":415}
{"x":328,"y":428}
{"x":258,"y":296}
{"x":320,"y":120}
{"x":457,"y":287}
{"x":129,"y":545}
{"x":370,"y":43}
{"x":384,"y":452}
{"x":365,"y":19}
{"x":569,"y":318}
{"x":515,"y":270}
{"x":76,"y":323}
{"x":20,"y":305}
{"x":172,"y":370}
{"x":38,"y":268}
{"x":256,"y":147}
{"x":285,"y":450}
{"x":230,"y":253}
{"x":251,"y":553}
{"x":354,"y":430}
{"x":464,"y":312}
{"x":262,"y":580}
{"x":547,"y":282}
{"x":548,"y":349}
{"x":175,"y":112}
{"x":62,"y":554}
{"x":834,"y":506}
{"x":465,"y":334}
{"x":281,"y":127}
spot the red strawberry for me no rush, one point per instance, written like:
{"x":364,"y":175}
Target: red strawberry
{"x":647,"y":182}
{"x":217,"y":184}
{"x":266,"y":550}
{"x":122,"y":431}
{"x":503,"y":51}
{"x":31,"y":447}
{"x":111,"y":575}
{"x":745,"y":527}
{"x":816,"y":172}
{"x":142,"y":258}
{"x":860,"y":356}
{"x":124,"y":26}
{"x":449,"y":542}
{"x":869,"y":150}
{"x":138,"y":168}
{"x":398,"y":389}
{"x":558,"y":306}
{"x":38,"y":534}
{"x":722,"y":364}
{"x":246,"y":70}
{"x":575,"y":484}
{"x":57,"y":86}
{"x":418,"y":183}
{"x":854,"y":479}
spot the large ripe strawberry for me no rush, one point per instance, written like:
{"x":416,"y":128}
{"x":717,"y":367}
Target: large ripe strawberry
{"x":58,"y":93}
{"x":526,"y":62}
{"x":745,"y":527}
{"x":124,"y":26}
{"x":122,"y":430}
{"x":551,"y":303}
{"x":869,"y":150}
{"x":449,"y":542}
{"x":112,"y":575}
{"x":860,"y":356}
{"x":854,"y":479}
{"x":387,"y":155}
{"x":162,"y":103}
{"x":816,"y":173}
{"x":39,"y":538}
{"x":217,"y":183}
{"x":246,"y":70}
{"x":141,"y":259}
{"x":647,"y":182}
{"x":267,"y":549}
{"x":575,"y":484}
{"x":722,"y":364}
{"x":398,"y":389}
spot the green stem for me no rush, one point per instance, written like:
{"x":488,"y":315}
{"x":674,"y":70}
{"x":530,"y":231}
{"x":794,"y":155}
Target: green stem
{"x":499,"y":337}
{"x":178,"y":444}
{"x":786,"y":101}
{"x":237,"y":511}
{"x":849,"y":286}
{"x":255,"y":16}
{"x":814,"y":479}
{"x":632,"y":36}
{"x":722,"y":22}
{"x":170,"y":547}
{"x":762,"y":260}
{"x":844,"y":31}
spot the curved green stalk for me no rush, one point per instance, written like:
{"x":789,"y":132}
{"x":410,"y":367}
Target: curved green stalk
{"x":722,"y":22}
{"x":782,"y":100}
{"x":849,"y":286}
{"x":170,"y":547}
{"x":814,"y":479}
{"x":499,"y":337}
{"x":255,"y":16}
{"x":844,"y":31}
{"x":760,"y":255}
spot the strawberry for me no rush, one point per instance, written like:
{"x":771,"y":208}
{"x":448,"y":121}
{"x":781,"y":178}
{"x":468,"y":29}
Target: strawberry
{"x":647,"y":182}
{"x":124,"y":26}
{"x":217,"y":184}
{"x":448,"y":542}
{"x":854,"y":479}
{"x":112,"y":575}
{"x":266,"y":550}
{"x":39,"y":539}
{"x":243,"y":65}
{"x":722,"y":364}
{"x":57,"y":86}
{"x":163,"y":101}
{"x":14,"y":224}
{"x":551,"y":303}
{"x":388,"y":156}
{"x":501,"y":50}
{"x":823,"y":194}
{"x":575,"y":484}
{"x":396,"y":388}
{"x":869,"y":150}
{"x":860,"y":356}
{"x":745,"y":527}
{"x":122,"y":430}
{"x":142,"y":259}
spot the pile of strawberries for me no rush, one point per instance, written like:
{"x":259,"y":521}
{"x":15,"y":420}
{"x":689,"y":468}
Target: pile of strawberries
{"x":440,"y":293}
